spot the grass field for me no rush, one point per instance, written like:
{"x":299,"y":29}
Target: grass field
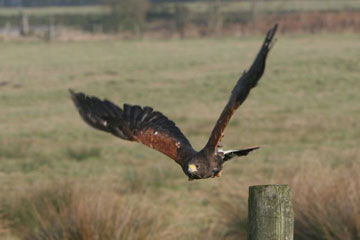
{"x":305,"y":111}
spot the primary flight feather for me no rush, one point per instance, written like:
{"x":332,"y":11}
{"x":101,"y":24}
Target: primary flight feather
{"x":153,"y":129}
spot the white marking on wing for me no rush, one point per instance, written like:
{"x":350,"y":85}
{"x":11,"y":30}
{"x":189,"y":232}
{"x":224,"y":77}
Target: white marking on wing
{"x":227,"y":151}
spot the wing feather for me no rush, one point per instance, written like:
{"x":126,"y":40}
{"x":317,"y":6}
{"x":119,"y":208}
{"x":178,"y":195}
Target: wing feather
{"x":247,"y":81}
{"x":134,"y":123}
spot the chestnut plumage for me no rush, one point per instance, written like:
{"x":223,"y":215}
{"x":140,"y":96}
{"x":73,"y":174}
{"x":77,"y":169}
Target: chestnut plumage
{"x":153,"y":129}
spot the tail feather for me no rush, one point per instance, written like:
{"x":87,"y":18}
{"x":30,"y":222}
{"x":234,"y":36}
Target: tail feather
{"x":238,"y":153}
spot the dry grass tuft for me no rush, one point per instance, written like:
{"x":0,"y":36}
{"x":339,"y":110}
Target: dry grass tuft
{"x":326,"y":203}
{"x":4,"y":230}
{"x":63,"y":211}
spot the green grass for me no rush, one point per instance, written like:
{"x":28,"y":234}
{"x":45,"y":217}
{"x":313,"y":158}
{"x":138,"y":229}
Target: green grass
{"x":305,"y":109}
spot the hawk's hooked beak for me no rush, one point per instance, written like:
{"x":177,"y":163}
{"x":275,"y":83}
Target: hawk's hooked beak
{"x":192,"y":168}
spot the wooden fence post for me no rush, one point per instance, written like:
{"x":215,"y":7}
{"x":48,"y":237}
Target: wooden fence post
{"x":253,"y":11}
{"x":271,"y":215}
{"x":23,"y":23}
{"x":50,"y":31}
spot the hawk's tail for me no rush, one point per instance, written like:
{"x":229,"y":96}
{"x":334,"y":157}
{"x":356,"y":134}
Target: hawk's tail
{"x":238,"y":153}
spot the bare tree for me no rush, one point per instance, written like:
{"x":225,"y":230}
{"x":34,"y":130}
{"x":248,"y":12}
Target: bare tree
{"x":128,"y":15}
{"x":182,"y":18}
{"x":215,"y":20}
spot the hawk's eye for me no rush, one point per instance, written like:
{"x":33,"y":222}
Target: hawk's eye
{"x":197,"y":166}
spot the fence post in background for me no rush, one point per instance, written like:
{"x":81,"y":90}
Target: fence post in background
{"x":271,"y":215}
{"x":218,"y":23}
{"x":253,"y":11}
{"x":23,"y":22}
{"x":50,"y":31}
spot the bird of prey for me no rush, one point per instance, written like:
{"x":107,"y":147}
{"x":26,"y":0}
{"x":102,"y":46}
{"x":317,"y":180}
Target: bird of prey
{"x":153,"y":129}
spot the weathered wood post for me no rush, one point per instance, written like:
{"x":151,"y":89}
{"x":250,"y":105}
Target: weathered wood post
{"x":50,"y":31}
{"x":253,"y":11}
{"x":271,"y":215}
{"x":23,"y":21}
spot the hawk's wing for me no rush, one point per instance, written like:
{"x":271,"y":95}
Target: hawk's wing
{"x":134,"y":123}
{"x":241,"y":90}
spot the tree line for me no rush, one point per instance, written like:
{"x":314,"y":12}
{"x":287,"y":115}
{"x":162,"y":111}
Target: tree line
{"x":39,"y":3}
{"x":133,"y":16}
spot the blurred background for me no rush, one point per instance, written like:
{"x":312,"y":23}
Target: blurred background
{"x":60,"y":179}
{"x":68,"y":19}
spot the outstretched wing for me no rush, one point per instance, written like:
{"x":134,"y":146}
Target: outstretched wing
{"x":134,"y":123}
{"x":241,"y":90}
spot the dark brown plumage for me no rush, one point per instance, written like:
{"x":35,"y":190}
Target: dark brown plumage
{"x":153,"y":129}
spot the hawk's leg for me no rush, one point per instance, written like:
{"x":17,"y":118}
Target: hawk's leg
{"x":219,"y":145}
{"x":220,"y":152}
{"x":222,"y":135}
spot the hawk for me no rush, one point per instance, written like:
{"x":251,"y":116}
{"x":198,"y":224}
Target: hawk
{"x":153,"y":129}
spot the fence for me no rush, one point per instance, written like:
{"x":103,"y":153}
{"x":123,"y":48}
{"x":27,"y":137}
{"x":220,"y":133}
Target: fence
{"x":201,"y":18}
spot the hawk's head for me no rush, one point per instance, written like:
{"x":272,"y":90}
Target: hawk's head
{"x":200,"y":167}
